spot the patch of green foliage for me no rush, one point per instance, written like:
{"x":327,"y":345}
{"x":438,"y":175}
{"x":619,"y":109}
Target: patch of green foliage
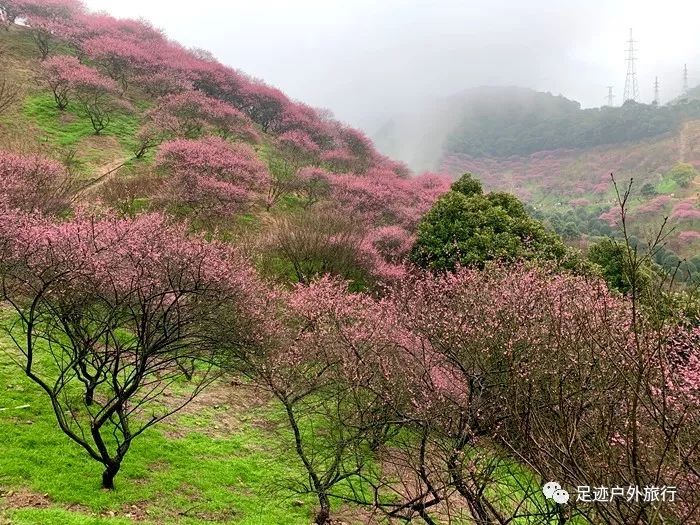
{"x":466,"y":227}
{"x":683,"y":174}
{"x":667,"y":185}
{"x":571,"y":223}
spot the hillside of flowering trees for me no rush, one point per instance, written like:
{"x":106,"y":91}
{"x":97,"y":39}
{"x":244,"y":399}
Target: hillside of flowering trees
{"x":571,"y":188}
{"x":105,"y":66}
{"x":221,"y":305}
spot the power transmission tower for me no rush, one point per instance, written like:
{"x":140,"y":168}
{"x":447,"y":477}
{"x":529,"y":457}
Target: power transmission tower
{"x":685,"y":80}
{"x":611,"y":97}
{"x":656,"y":91}
{"x":631,"y":88}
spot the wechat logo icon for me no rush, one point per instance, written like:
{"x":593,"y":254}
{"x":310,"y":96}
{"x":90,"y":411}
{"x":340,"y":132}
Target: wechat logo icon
{"x":553,"y":491}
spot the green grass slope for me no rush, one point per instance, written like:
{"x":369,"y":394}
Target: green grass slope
{"x":220,"y":461}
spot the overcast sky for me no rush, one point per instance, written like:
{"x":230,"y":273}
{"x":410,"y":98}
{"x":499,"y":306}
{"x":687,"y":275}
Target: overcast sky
{"x":365,"y":60}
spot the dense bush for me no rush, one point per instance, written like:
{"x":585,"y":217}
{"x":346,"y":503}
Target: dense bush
{"x":32,"y":183}
{"x":471,"y":229}
{"x":683,"y":174}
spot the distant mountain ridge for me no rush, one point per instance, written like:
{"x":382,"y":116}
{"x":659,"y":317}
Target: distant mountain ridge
{"x":501,"y":122}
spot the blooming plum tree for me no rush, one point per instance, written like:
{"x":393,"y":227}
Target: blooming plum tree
{"x":190,"y":115}
{"x":313,"y":369}
{"x":212,"y":176}
{"x":48,"y":19}
{"x":120,"y":310}
{"x":299,"y":146}
{"x":65,"y":75}
{"x":97,"y":97}
{"x":32,"y":184}
{"x":117,"y":56}
{"x":265,"y":105}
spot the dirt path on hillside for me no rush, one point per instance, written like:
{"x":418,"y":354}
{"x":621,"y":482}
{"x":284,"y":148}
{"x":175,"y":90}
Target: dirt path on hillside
{"x":108,"y":171}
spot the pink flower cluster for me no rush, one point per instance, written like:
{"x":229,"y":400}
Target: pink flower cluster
{"x":212,"y":175}
{"x":149,"y":256}
{"x":689,"y":236}
{"x":686,"y":210}
{"x":191,"y":114}
{"x":32,"y":183}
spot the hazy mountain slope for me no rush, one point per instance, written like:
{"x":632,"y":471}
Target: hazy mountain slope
{"x":559,"y":158}
{"x":500,"y":122}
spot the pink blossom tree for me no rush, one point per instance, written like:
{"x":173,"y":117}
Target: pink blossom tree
{"x":65,"y":75}
{"x":313,"y":367}
{"x":163,"y":83}
{"x":117,"y":55}
{"x":48,"y":20}
{"x":123,"y":48}
{"x":33,"y":184}
{"x":686,"y":210}
{"x":313,"y":122}
{"x":122,"y":309}
{"x":265,"y":105}
{"x":211,"y":176}
{"x":540,"y":347}
{"x":299,"y":146}
{"x":191,"y":115}
{"x":359,"y":146}
{"x":312,"y":185}
{"x":385,"y":250}
{"x":338,"y":160}
{"x":98,"y":98}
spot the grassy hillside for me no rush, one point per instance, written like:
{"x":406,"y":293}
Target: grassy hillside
{"x":226,"y":458}
{"x":34,"y":125}
{"x":218,"y":461}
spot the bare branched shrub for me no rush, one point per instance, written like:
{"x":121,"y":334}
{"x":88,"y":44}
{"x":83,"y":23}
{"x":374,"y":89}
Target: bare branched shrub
{"x":315,"y":242}
{"x":128,"y":195}
{"x":9,"y":95}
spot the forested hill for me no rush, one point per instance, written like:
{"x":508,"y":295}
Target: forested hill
{"x":502,"y":122}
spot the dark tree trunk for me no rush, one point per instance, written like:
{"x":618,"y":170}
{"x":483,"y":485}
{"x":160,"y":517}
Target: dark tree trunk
{"x":323,"y":517}
{"x":89,"y":396}
{"x":109,"y":474}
